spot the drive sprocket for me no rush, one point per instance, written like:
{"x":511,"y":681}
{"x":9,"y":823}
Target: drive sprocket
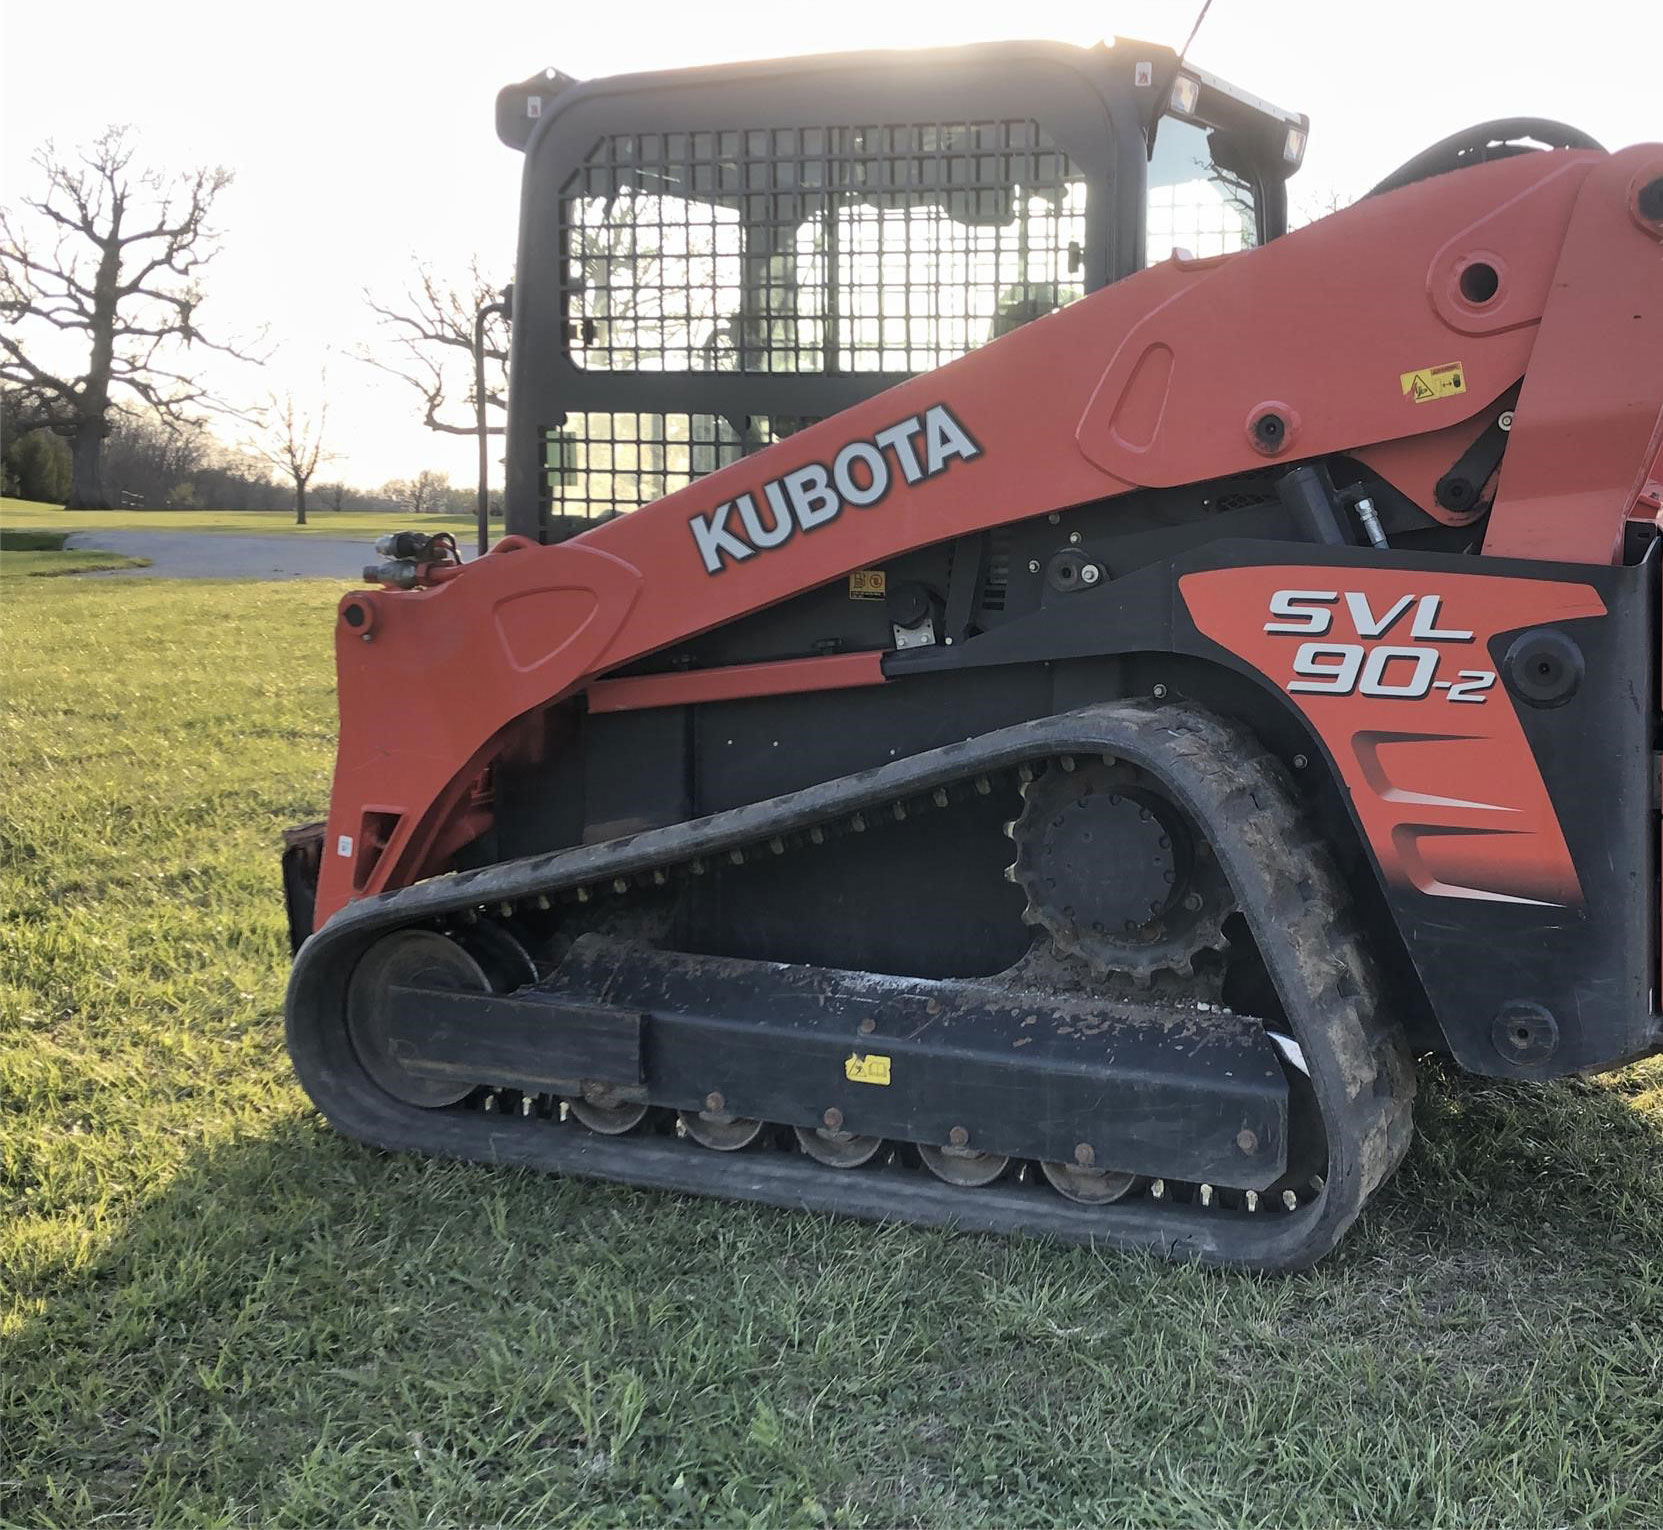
{"x":1115,"y":871}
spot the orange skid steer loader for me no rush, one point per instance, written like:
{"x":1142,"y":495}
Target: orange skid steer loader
{"x":1016,"y":692}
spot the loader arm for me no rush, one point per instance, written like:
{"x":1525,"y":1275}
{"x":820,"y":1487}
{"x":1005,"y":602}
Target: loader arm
{"x":1537,"y":275}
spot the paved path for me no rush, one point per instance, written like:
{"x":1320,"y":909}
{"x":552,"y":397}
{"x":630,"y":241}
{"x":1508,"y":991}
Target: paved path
{"x":215,"y":555}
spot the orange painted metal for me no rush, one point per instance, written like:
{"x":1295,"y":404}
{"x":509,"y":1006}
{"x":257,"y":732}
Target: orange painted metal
{"x":1447,"y":792}
{"x":1591,"y":409}
{"x":735,"y":682}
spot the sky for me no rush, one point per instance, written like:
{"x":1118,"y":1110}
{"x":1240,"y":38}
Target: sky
{"x":362,"y":135}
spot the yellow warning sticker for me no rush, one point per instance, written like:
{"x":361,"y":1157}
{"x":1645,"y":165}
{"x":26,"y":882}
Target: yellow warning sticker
{"x":867,"y":584}
{"x":1434,"y":382}
{"x":870,"y":1069}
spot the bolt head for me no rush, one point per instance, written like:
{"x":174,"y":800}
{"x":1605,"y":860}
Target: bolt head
{"x":1085,"y":1154}
{"x":1300,"y":762}
{"x":958,"y":1136}
{"x":867,"y":1026}
{"x":1074,"y":537}
{"x":1159,"y":692}
{"x":713,"y":1102}
{"x":1247,"y":1141}
{"x":833,"y":1118}
{"x":1033,"y":565}
{"x":1090,"y":574}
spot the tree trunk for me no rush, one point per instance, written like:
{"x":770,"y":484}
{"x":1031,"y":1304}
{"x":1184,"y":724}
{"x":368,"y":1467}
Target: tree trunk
{"x":86,"y":487}
{"x":299,"y":502}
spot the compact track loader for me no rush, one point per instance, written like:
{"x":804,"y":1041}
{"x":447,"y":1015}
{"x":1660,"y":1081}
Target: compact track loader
{"x":1016,"y":692}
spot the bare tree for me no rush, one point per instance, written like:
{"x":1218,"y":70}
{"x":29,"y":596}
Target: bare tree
{"x":429,"y":344}
{"x":1317,"y":201}
{"x":428,"y":491}
{"x":292,"y":442}
{"x":118,"y":273}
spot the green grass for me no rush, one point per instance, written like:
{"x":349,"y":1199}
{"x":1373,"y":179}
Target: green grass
{"x":219,"y":1314}
{"x":26,"y":553}
{"x":353,"y":524}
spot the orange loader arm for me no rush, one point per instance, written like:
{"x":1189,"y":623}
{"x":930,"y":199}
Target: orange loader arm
{"x":1394,"y":332}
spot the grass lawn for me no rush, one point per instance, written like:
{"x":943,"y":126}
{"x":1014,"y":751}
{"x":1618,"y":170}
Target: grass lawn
{"x":216,"y":1313}
{"x":355,"y":525}
{"x":24,"y":553}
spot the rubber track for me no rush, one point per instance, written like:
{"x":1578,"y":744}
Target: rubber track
{"x":1285,"y":883}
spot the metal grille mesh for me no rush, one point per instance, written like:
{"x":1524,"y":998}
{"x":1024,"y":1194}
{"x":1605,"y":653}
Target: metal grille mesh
{"x":599,"y":465}
{"x":835,"y":250}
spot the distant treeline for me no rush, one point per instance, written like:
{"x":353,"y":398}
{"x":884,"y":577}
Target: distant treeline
{"x":148,"y":463}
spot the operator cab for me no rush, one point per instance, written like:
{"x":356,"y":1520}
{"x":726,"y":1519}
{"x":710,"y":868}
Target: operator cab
{"x":711,"y":259}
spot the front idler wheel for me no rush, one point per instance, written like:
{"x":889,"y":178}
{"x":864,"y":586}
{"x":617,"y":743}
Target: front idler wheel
{"x":406,"y":959}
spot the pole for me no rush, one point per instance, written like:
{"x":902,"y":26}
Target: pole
{"x":481,"y":427}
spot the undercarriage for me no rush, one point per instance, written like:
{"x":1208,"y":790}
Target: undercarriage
{"x":1189,"y":1055}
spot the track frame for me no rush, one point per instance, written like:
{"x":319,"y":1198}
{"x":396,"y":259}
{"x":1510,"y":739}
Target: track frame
{"x":1280,"y":872}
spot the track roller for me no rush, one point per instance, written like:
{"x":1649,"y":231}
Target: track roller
{"x":720,"y":1133}
{"x":837,"y":1149}
{"x":1090,"y":1187}
{"x":607,"y":1112}
{"x":963,"y":1166}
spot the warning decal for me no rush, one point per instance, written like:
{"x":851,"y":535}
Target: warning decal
{"x":867,"y":584}
{"x":870,"y":1069}
{"x":1434,"y":382}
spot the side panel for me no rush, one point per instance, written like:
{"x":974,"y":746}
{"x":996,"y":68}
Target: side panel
{"x":1494,"y":740}
{"x":1396,"y":675}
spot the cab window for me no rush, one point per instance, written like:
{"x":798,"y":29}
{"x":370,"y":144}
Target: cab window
{"x":1195,"y":204}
